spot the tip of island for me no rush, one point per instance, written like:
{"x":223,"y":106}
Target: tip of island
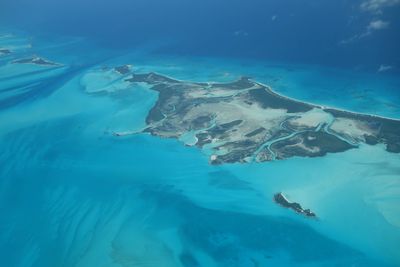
{"x":36,"y":61}
{"x":4,"y":51}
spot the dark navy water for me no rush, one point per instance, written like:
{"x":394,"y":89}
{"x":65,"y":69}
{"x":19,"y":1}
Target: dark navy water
{"x":295,"y":31}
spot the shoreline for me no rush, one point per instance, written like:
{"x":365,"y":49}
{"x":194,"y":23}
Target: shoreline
{"x":323,"y":107}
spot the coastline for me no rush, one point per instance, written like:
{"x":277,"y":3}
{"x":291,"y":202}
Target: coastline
{"x":323,"y":107}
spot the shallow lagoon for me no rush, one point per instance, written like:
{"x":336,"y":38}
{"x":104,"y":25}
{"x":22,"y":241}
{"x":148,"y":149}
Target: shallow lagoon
{"x":74,"y":195}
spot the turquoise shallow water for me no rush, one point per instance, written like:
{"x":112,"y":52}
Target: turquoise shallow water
{"x":71,"y":194}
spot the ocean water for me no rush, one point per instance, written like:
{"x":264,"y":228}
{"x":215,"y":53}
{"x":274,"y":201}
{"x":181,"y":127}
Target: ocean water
{"x":71,"y":194}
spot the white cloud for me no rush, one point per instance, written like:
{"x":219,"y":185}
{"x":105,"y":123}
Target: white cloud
{"x":383,"y":68}
{"x":376,"y":6}
{"x":350,"y":40}
{"x":373,"y":26}
{"x":241,"y":33}
{"x":377,"y":25}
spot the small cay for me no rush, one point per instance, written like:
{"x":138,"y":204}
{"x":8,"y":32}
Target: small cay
{"x":280,"y":199}
{"x":124,"y":69}
{"x":36,"y":61}
{"x":4,"y":51}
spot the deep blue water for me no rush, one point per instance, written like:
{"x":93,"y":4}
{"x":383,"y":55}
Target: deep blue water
{"x":303,"y":31}
{"x":71,"y":194}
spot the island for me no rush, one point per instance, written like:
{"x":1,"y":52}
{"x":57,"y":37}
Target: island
{"x":4,"y":51}
{"x":280,"y":199}
{"x":246,"y":121}
{"x":36,"y":61}
{"x":123,"y":69}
